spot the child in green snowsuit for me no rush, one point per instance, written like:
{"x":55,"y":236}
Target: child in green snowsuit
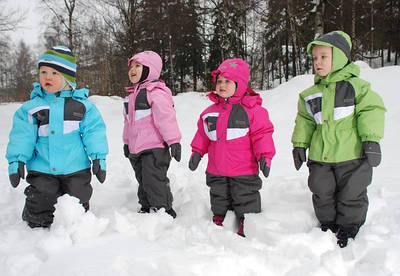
{"x":341,"y":121}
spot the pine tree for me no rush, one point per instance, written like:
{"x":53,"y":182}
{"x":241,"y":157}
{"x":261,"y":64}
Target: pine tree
{"x":23,"y":73}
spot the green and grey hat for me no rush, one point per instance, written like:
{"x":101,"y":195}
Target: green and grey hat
{"x":61,"y":59}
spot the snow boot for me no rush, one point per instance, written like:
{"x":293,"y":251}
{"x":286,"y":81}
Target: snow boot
{"x":329,"y":226}
{"x":171,"y":212}
{"x":86,"y":206}
{"x":240,"y":231}
{"x":144,"y":210}
{"x":218,"y":220}
{"x":343,"y":235}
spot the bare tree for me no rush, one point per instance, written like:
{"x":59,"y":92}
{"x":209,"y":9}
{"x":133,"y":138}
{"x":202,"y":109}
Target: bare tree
{"x":65,"y":15}
{"x":10,"y":19}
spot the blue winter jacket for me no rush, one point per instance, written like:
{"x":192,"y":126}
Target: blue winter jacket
{"x":57,"y":133}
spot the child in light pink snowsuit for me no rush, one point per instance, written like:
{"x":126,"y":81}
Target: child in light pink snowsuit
{"x":237,"y":135}
{"x":150,"y":130}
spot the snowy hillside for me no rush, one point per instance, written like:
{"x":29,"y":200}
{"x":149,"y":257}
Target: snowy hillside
{"x":113,"y":239}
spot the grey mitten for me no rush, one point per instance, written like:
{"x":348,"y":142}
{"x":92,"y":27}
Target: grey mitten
{"x":372,"y":151}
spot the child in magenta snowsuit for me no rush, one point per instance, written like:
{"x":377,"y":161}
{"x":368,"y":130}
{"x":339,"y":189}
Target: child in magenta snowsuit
{"x":150,"y":130}
{"x":237,"y":135}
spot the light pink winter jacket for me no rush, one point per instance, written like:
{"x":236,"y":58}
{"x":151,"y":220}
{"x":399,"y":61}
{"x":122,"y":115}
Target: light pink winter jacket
{"x":150,"y":119}
{"x":235,"y":132}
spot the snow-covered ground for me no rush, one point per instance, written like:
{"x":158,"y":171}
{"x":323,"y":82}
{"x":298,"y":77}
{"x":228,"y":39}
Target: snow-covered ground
{"x":284,"y":239}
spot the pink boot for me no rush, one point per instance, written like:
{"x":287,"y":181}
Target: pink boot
{"x":240,"y":231}
{"x":218,"y":220}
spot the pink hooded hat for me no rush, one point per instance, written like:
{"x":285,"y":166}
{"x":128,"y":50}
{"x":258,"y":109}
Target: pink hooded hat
{"x":235,"y":69}
{"x":150,"y":59}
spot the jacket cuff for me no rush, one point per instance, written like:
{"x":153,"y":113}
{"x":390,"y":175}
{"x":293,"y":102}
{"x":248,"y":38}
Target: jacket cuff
{"x":173,"y":141}
{"x":300,"y":145}
{"x":100,"y":156}
{"x":372,"y":138}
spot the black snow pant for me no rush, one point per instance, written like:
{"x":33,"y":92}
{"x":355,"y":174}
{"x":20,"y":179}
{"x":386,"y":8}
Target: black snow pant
{"x":340,"y":192}
{"x":151,"y":173}
{"x":239,"y":193}
{"x":44,"y":189}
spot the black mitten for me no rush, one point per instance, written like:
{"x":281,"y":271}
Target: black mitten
{"x":372,"y":151}
{"x":299,"y":156}
{"x":194,"y":161}
{"x":99,"y":169}
{"x":264,"y":167}
{"x":126,"y":151}
{"x":16,"y":171}
{"x":176,"y":151}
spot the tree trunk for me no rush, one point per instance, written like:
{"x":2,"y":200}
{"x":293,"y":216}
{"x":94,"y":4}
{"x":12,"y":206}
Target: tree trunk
{"x":294,"y":35}
{"x":341,"y":10}
{"x":319,"y":23}
{"x":70,"y":9}
{"x":353,"y":27}
{"x":286,"y":58}
{"x":279,"y":64}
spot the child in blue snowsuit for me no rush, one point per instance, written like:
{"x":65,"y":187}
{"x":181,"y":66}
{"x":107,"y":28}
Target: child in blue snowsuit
{"x":57,"y":134}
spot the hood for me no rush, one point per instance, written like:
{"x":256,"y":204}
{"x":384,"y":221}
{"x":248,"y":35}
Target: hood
{"x":237,"y":70}
{"x":150,"y":59}
{"x":341,"y":47}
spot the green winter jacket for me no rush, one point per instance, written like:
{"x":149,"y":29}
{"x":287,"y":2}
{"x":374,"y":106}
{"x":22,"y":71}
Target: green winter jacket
{"x":337,"y":114}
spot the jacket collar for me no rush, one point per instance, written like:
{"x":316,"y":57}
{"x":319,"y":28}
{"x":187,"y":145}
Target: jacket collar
{"x":350,"y":70}
{"x":146,"y":84}
{"x":37,"y":91}
{"x":249,"y":99}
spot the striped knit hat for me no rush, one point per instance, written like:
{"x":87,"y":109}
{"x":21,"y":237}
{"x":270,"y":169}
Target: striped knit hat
{"x":61,"y":59}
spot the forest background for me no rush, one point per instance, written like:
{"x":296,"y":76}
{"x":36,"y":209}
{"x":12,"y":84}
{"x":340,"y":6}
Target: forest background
{"x":193,"y":37}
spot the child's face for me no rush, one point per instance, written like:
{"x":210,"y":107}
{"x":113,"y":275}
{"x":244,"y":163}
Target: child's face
{"x":224,"y":87}
{"x":135,"y":72}
{"x":50,"y":79}
{"x":322,"y":59}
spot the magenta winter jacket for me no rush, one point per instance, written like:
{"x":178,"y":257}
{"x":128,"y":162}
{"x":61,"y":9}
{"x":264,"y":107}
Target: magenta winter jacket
{"x":149,"y":113}
{"x":235,"y":132}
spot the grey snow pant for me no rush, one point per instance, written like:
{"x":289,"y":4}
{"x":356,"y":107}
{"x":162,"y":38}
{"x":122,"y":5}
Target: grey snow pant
{"x":44,"y":189}
{"x":238,"y":193}
{"x":151,"y":173}
{"x":340,"y":191}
